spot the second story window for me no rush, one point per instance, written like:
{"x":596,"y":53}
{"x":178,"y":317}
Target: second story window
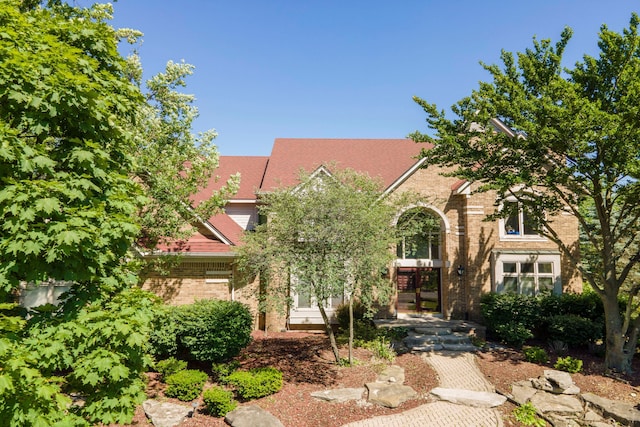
{"x":517,"y":225}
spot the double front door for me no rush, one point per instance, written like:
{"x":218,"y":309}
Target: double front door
{"x":418,"y":289}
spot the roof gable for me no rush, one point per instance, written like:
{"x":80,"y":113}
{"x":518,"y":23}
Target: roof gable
{"x":387,"y":159}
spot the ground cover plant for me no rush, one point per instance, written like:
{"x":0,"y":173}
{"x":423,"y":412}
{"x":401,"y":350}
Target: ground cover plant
{"x":307,"y":365}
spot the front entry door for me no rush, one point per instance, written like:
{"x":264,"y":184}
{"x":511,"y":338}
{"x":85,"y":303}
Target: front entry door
{"x":418,"y":290}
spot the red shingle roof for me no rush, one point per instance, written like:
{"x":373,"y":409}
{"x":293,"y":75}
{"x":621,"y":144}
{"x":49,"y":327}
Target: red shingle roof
{"x":251,"y":169}
{"x":387,"y":159}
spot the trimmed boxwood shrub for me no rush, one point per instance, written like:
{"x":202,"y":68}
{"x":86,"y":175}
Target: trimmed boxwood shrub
{"x":574,"y":330}
{"x":219,"y":401}
{"x":256,"y":383}
{"x":205,"y":331}
{"x":185,"y":385}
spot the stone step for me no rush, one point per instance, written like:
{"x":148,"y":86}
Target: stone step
{"x":460,"y":347}
{"x":426,"y":343}
{"x":433,"y":331}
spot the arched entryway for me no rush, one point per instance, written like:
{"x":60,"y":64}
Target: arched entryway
{"x":419,"y":261}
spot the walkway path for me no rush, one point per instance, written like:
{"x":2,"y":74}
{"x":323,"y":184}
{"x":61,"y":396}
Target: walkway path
{"x":455,"y":370}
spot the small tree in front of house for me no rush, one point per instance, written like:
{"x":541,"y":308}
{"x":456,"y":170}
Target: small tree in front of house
{"x":330,"y":236}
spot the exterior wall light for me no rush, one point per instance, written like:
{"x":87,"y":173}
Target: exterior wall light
{"x":460,"y":270}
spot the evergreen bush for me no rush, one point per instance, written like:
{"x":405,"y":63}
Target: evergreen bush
{"x":205,"y":331}
{"x":185,"y":385}
{"x":256,"y":383}
{"x":219,"y":401}
{"x":568,"y":364}
{"x":535,"y":355}
{"x":220,"y":371}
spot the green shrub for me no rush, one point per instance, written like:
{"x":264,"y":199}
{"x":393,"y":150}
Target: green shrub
{"x":535,"y":355}
{"x":342,"y":314}
{"x":163,"y":339}
{"x":206,"y":331}
{"x":256,"y":383}
{"x":587,"y":305}
{"x":219,"y":401}
{"x":170,"y":366}
{"x":185,"y":385}
{"x":220,"y":371}
{"x":527,"y":415}
{"x":513,"y":333}
{"x":568,"y":364}
{"x":381,"y":349}
{"x":499,"y":310}
{"x":573,"y":330}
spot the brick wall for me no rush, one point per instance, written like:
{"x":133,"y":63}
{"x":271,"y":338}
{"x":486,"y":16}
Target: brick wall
{"x":203,"y":279}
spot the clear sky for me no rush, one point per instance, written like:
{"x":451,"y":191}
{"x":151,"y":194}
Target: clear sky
{"x":344,"y":68}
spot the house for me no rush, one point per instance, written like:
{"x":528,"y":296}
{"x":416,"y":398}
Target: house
{"x":444,"y":271}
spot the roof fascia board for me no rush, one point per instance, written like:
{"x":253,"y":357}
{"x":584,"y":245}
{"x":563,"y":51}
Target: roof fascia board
{"x":404,"y":177}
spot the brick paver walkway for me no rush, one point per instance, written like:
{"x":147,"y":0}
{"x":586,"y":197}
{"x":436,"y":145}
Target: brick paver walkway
{"x":458,"y":370}
{"x":455,"y":370}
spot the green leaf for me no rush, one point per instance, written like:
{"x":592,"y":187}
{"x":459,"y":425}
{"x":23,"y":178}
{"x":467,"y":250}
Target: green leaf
{"x":48,"y":205}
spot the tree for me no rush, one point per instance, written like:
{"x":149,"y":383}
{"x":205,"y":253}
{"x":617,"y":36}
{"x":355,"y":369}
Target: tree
{"x":574,"y":138}
{"x":330,"y":236}
{"x":172,"y":164}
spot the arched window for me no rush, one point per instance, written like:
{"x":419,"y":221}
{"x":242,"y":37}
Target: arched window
{"x":419,"y":235}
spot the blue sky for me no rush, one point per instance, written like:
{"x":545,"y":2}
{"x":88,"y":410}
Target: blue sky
{"x":344,"y":68}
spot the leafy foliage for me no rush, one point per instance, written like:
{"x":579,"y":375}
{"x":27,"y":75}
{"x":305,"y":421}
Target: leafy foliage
{"x":527,"y":415}
{"x":570,"y":145}
{"x":568,"y":364}
{"x":220,"y":371}
{"x":574,"y":330}
{"x":516,"y":318}
{"x":535,"y":355}
{"x":330,"y":235}
{"x":219,"y":401}
{"x":67,"y":203}
{"x":206,"y":331}
{"x":185,"y":385}
{"x":256,"y":383}
{"x":170,"y":366}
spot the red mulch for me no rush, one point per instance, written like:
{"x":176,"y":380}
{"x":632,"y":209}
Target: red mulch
{"x":307,"y":364}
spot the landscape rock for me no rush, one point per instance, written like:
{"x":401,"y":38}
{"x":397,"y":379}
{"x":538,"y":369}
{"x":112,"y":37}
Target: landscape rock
{"x":390,"y":395}
{"x":557,"y":403}
{"x":339,"y":395}
{"x":522,"y":391}
{"x":251,"y":416}
{"x":558,"y":382}
{"x":477,"y":399}
{"x":165,"y":414}
{"x":622,"y":412}
{"x":392,"y":374}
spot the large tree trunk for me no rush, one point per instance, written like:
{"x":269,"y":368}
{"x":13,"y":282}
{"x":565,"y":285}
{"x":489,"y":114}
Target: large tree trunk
{"x":618,"y":354}
{"x":329,"y":329}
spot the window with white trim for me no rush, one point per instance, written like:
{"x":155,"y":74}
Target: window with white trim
{"x":517,"y":226}
{"x":527,"y":274}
